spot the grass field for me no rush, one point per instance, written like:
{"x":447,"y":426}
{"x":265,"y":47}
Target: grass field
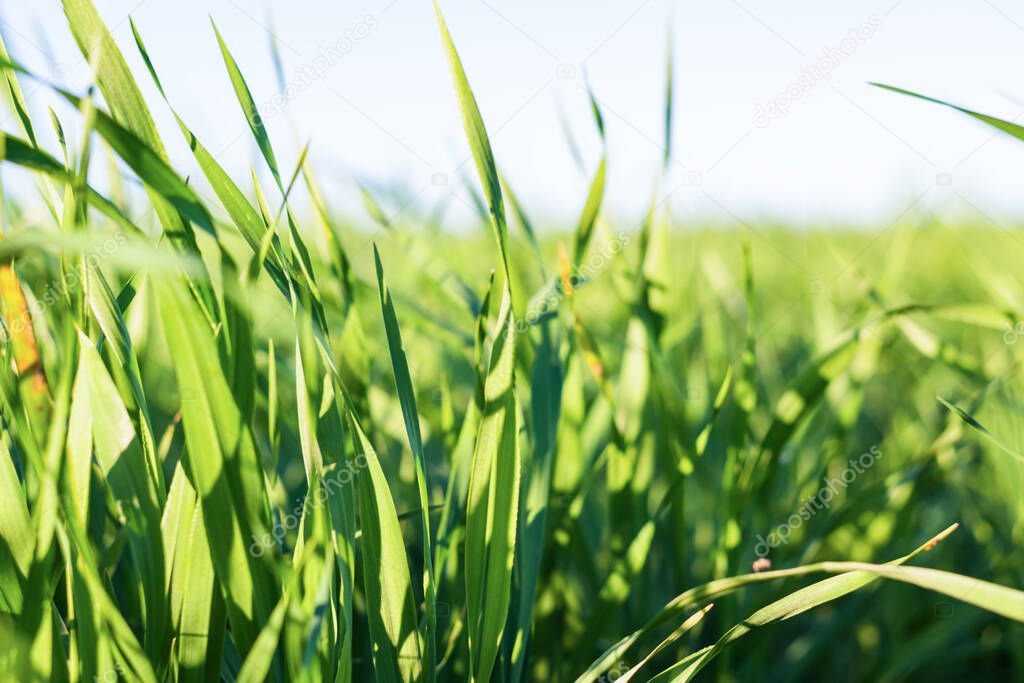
{"x":246,"y":438}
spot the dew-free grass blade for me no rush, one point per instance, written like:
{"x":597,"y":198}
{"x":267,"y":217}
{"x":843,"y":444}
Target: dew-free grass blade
{"x":411,"y":417}
{"x":1008,"y":127}
{"x":242,"y":213}
{"x":222,"y":464}
{"x":545,"y":406}
{"x":23,"y":154}
{"x":1001,"y":600}
{"x":679,"y":605}
{"x":453,"y":510}
{"x":585,"y":228}
{"x":687,"y":625}
{"x":197,"y":609}
{"x":397,"y":646}
{"x":479,"y":143}
{"x":132,"y":127}
{"x":133,"y":484}
{"x":15,"y":530}
{"x":249,"y":108}
{"x":973,"y":423}
{"x":493,"y":496}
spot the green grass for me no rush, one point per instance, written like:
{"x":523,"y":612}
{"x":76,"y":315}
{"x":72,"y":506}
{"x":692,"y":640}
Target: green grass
{"x":245,"y":438}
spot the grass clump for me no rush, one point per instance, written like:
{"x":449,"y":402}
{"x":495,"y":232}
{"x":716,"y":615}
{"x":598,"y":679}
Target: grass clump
{"x":238,"y":448}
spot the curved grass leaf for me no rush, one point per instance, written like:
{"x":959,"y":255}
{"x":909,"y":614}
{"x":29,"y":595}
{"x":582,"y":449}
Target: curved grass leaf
{"x":681,"y":604}
{"x":1007,"y":127}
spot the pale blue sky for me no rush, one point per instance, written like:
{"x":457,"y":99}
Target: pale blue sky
{"x":385,"y":112}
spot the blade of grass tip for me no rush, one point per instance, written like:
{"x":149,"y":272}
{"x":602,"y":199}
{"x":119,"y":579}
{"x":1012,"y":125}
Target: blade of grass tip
{"x":669,"y":62}
{"x":1007,"y":127}
{"x":441,"y":274}
{"x":493,"y":496}
{"x":479,"y":143}
{"x":275,"y":55}
{"x":152,"y":169}
{"x":259,"y":131}
{"x":1007,"y":602}
{"x":658,"y":271}
{"x":570,"y":137}
{"x":257,"y":666}
{"x":410,"y":415}
{"x":1002,"y":600}
{"x":301,"y":274}
{"x":594,"y":107}
{"x":113,"y":76}
{"x":969,"y":419}
{"x":524,"y":221}
{"x":373,"y":207}
{"x":585,"y":227}
{"x":18,"y":104}
{"x":249,"y":108}
{"x":58,"y":130}
{"x":130,"y":113}
{"x":797,"y":602}
{"x":19,"y":152}
{"x":336,"y":250}
{"x":17,"y":97}
{"x":701,"y":444}
{"x":241,"y":212}
{"x":690,"y":622}
{"x":303,"y":258}
{"x":168,"y":193}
